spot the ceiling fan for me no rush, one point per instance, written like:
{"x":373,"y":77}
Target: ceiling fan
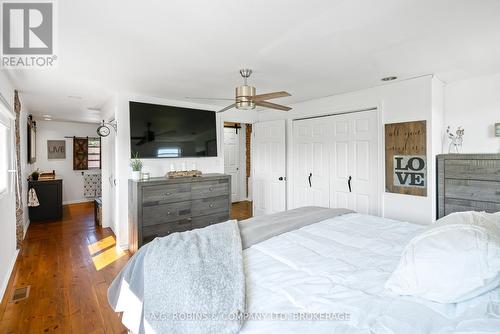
{"x":246,"y":99}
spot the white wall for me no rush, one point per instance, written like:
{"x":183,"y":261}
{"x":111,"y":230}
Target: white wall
{"x":118,"y":109}
{"x":72,"y":180}
{"x":474,"y":104}
{"x":8,"y":251}
{"x":409,"y":100}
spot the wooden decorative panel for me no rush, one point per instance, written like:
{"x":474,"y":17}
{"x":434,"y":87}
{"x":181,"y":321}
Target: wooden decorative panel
{"x":80,"y":153}
{"x":406,"y":158}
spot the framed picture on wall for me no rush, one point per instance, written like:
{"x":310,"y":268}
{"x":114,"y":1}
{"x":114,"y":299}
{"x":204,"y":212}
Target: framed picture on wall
{"x":31,"y":140}
{"x":56,"y":149}
{"x":406,"y":158}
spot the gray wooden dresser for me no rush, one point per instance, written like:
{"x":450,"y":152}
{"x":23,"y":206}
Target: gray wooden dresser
{"x":160,"y":206}
{"x":468,"y":182}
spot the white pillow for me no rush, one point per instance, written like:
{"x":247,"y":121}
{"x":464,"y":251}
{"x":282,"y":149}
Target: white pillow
{"x":471,"y":217}
{"x":452,"y":261}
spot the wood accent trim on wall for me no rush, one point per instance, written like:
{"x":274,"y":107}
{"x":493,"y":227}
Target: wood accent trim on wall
{"x":19,"y":189}
{"x":248,"y":143}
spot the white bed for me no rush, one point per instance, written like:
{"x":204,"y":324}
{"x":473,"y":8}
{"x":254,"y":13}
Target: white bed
{"x":340,"y":265}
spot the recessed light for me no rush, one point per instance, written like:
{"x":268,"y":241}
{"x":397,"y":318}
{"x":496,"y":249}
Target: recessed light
{"x":74,"y":97}
{"x":391,"y":78}
{"x":47,"y":119}
{"x":47,"y":116}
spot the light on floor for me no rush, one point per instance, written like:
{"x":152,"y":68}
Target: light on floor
{"x":104,"y":252}
{"x":101,"y":245}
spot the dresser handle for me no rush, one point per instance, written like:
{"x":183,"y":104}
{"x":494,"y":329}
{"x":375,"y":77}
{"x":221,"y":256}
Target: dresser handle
{"x":168,"y":194}
{"x":210,"y":189}
{"x":169,"y":213}
{"x":211,"y":205}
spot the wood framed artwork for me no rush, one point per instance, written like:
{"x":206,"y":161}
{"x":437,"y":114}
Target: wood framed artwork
{"x":31,"y":140}
{"x":56,"y":149}
{"x":80,"y":153}
{"x":406,"y":158}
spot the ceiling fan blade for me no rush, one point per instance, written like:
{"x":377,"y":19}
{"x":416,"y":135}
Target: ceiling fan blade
{"x":269,"y":96}
{"x":227,"y":108}
{"x":208,"y":98}
{"x":270,"y":105}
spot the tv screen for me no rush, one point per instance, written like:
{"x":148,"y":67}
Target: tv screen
{"x":158,"y":131}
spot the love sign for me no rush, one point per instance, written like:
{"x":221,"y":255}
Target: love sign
{"x":410,"y":171}
{"x":406,"y":158}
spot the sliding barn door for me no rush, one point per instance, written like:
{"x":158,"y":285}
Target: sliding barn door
{"x":311,"y":162}
{"x":269,"y":167}
{"x":354,"y":162}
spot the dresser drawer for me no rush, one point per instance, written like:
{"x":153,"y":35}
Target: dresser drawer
{"x":163,"y":194}
{"x":206,"y":206}
{"x":161,"y":230}
{"x":164,"y":213}
{"x":209,"y":189}
{"x":203,"y":221}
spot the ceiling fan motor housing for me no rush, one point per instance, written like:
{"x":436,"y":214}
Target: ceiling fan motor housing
{"x":244,"y":96}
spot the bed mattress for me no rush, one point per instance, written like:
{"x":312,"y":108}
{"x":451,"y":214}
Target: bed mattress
{"x":329,"y":278}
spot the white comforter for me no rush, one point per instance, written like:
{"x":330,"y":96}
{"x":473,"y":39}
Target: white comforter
{"x":337,"y":269}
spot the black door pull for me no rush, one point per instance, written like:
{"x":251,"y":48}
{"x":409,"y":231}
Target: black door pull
{"x":349,"y":183}
{"x":310,"y":175}
{"x":280,"y":178}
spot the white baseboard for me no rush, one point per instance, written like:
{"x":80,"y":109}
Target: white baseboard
{"x":78,"y":201}
{"x":7,"y":276}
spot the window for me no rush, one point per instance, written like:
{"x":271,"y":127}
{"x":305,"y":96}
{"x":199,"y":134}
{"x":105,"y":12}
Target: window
{"x":4,"y":158}
{"x":94,"y":153}
{"x":169,"y":152}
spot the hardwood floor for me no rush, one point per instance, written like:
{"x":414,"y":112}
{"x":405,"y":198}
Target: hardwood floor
{"x":241,"y":210}
{"x":69,"y":265}
{"x":68,"y":294}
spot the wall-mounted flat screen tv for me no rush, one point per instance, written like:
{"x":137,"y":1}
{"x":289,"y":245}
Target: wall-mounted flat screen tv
{"x":158,"y":131}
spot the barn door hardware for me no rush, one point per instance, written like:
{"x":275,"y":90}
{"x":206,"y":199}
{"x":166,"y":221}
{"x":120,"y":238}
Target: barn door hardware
{"x":349,"y":183}
{"x":310,"y":176}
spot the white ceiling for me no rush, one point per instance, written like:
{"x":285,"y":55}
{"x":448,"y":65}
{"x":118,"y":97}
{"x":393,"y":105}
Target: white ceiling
{"x":312,"y":48}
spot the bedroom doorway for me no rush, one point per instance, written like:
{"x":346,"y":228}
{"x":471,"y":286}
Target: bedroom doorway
{"x":237,"y":163}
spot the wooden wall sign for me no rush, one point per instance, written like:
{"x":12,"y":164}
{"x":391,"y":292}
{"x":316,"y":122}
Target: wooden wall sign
{"x":406,"y":158}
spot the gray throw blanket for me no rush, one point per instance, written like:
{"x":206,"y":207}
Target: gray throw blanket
{"x":194,"y":282}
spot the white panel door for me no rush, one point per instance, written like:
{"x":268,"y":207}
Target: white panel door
{"x":354,"y":162}
{"x":311,"y":162}
{"x":232,"y":161}
{"x":269,"y":167}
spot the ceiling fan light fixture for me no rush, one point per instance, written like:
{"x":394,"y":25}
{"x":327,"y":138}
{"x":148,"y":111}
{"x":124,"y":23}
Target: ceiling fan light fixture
{"x":244,"y":96}
{"x":245,"y":105}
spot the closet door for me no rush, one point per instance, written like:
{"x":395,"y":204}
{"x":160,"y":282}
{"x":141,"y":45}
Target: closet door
{"x":269,"y":167}
{"x":311,"y":162}
{"x":354,"y":162}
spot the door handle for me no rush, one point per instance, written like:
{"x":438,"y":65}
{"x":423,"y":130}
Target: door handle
{"x":280,"y":178}
{"x":310,"y":176}
{"x":349,"y":183}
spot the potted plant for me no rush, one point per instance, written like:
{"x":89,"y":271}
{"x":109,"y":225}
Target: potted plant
{"x":136,"y":165}
{"x":34,"y":175}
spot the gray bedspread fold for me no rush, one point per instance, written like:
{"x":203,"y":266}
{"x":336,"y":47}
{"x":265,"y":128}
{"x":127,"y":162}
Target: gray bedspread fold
{"x":194,"y":282}
{"x":258,"y":229}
